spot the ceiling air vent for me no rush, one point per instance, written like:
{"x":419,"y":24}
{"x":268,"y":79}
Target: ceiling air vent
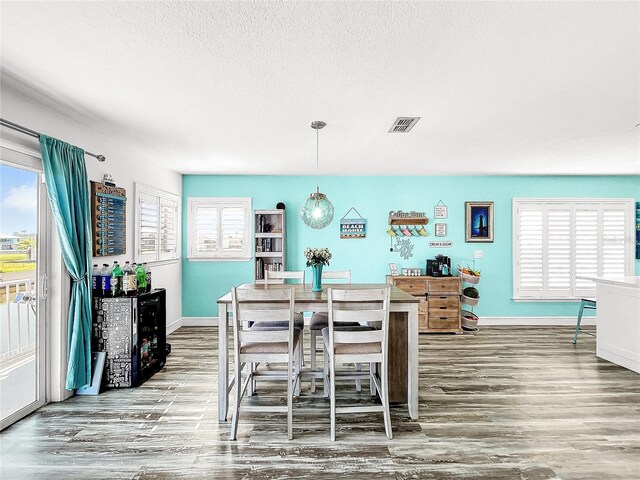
{"x":403,"y":124}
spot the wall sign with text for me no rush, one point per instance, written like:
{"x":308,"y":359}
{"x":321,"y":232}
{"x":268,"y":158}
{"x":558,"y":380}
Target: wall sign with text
{"x":353,"y":227}
{"x":441,"y":244}
{"x":440,"y":210}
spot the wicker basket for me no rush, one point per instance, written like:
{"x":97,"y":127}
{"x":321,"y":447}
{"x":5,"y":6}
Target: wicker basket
{"x":469,"y":278}
{"x":470,"y":301}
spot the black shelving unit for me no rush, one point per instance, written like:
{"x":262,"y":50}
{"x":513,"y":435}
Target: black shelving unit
{"x":132,"y":331}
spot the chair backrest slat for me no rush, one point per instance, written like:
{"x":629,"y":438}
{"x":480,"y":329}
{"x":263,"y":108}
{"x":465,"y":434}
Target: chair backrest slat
{"x":367,"y":336}
{"x":264,"y":336}
{"x":368,"y":315}
{"x":337,"y":275}
{"x":284,"y":276}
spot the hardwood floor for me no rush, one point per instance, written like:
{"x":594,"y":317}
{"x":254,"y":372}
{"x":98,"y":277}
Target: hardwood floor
{"x":506,"y":403}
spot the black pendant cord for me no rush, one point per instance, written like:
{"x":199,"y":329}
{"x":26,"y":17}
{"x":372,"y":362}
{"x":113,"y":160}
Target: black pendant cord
{"x":317,"y":159}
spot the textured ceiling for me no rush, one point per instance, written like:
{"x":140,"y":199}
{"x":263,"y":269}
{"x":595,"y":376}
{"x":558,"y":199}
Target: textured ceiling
{"x":502,"y":87}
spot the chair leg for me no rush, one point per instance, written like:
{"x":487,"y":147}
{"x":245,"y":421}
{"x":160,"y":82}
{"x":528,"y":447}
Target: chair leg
{"x":290,"y":380}
{"x":312,"y":342}
{"x":297,"y":367}
{"x":575,"y":337}
{"x":251,"y":367}
{"x":358,"y":381}
{"x":236,"y":404}
{"x":372,"y":372}
{"x":332,"y":395}
{"x":384,"y":398}
{"x":326,"y":360}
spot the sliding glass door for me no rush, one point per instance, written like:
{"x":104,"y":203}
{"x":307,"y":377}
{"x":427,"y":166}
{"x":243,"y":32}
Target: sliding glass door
{"x":23,"y":261}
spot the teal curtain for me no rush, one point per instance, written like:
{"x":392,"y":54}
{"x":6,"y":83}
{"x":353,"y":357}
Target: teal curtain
{"x":65,"y":174}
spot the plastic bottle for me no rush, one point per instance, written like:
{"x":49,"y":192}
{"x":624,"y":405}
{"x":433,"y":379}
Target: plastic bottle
{"x":116,"y":280}
{"x":129,"y":283}
{"x":95,"y":280}
{"x":141,"y":276}
{"x":148,"y":272}
{"x":105,"y":280}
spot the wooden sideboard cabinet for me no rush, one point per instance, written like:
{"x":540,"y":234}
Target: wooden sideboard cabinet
{"x":439,"y":309}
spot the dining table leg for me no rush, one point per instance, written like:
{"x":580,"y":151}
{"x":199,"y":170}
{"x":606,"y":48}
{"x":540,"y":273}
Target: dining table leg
{"x":223,"y":362}
{"x":413,"y":361}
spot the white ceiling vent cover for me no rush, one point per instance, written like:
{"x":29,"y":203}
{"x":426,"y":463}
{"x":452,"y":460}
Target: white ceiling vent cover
{"x":403,"y":124}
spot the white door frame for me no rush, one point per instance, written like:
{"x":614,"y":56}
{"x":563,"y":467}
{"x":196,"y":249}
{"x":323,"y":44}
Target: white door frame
{"x":27,"y":160}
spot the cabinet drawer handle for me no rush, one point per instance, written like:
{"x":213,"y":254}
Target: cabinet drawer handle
{"x":443,"y":298}
{"x":443,"y":308}
{"x":443,"y":318}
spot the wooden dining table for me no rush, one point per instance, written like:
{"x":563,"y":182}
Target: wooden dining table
{"x":403,"y":339}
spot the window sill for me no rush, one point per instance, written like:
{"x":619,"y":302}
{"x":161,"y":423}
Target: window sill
{"x":159,"y":263}
{"x":547,"y":300}
{"x":219,"y":259}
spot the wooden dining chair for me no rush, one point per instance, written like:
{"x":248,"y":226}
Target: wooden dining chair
{"x":358,"y":346}
{"x":293,"y":276}
{"x":284,"y":277}
{"x":320,"y":320}
{"x":253,"y":346}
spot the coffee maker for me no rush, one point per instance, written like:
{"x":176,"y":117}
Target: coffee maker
{"x":439,"y":267}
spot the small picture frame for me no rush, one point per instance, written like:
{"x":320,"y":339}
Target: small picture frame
{"x":441,"y":229}
{"x":440,"y":210}
{"x":478,"y":222}
{"x":393,"y":268}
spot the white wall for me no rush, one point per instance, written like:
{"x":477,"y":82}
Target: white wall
{"x":44,"y":114}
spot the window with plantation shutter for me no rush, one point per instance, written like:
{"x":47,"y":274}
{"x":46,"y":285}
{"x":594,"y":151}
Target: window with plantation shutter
{"x":557,"y":241}
{"x":157,"y":225}
{"x":219,"y":228}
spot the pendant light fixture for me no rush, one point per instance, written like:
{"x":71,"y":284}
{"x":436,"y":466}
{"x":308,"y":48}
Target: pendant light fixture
{"x":317,"y":210}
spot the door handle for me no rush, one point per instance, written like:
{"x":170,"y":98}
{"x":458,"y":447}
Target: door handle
{"x":44,"y":287}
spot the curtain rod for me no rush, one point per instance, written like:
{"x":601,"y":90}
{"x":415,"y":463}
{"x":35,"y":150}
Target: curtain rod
{"x":32,"y":133}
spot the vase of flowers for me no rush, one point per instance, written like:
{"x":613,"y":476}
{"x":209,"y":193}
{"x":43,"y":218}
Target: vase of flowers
{"x":316,"y":259}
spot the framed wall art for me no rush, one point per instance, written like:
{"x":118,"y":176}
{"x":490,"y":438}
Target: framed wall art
{"x":478,"y":222}
{"x":441,"y":229}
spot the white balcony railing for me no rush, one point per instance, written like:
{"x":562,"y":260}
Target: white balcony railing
{"x":17,"y":322}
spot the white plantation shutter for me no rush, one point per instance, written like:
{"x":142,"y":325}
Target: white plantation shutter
{"x":157,"y":225}
{"x":219,"y":228}
{"x":147,"y":224}
{"x":530,"y":248}
{"x":169,"y":228}
{"x":233,"y":222}
{"x":613,"y":244}
{"x":558,"y":257}
{"x":557,"y":240}
{"x":206,"y":229}
{"x":586,"y":242}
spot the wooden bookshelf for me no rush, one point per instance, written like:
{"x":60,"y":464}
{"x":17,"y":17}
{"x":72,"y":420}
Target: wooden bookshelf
{"x":269,"y":243}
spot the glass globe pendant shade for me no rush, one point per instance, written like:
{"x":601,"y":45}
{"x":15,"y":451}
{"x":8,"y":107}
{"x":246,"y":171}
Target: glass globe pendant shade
{"x":317,"y":210}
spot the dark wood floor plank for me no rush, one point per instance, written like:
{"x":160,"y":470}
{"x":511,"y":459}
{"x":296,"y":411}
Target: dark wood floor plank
{"x":506,"y":403}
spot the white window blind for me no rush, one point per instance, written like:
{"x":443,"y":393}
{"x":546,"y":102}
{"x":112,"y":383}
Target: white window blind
{"x":557,"y":240}
{"x":219,"y":228}
{"x":157,"y":225}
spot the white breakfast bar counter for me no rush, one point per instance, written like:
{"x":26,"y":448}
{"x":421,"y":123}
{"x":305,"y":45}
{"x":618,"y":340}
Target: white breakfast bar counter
{"x":618,"y":320}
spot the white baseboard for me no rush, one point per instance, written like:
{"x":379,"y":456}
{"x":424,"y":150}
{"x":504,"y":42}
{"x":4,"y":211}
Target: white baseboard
{"x":192,"y":322}
{"x":535,"y":321}
{"x":173,"y":326}
{"x":199,"y":321}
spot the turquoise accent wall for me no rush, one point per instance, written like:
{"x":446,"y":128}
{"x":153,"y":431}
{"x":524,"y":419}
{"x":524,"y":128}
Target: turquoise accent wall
{"x":374,"y":197}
